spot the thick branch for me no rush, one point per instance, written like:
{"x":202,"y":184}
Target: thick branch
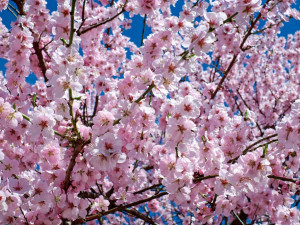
{"x":79,"y":146}
{"x":137,"y":214}
{"x":86,"y":194}
{"x":39,"y":54}
{"x":118,"y":208}
{"x":20,"y":5}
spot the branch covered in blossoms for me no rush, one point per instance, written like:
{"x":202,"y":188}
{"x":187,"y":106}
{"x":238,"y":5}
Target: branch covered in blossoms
{"x":196,"y":122}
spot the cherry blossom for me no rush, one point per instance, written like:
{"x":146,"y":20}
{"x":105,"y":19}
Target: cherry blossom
{"x":197,"y":122}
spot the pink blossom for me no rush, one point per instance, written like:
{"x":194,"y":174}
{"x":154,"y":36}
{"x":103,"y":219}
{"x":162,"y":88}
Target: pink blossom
{"x":100,"y":204}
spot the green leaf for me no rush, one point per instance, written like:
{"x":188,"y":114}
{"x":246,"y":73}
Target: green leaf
{"x":64,"y":41}
{"x":34,"y":100}
{"x":246,"y":114}
{"x":265,"y":148}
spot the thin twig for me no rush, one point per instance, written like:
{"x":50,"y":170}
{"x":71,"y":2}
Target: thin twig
{"x":12,"y":12}
{"x":11,"y":6}
{"x":104,"y":22}
{"x":196,"y":180}
{"x":224,"y":76}
{"x":282,"y":178}
{"x":143,"y":32}
{"x":250,"y":146}
{"x":145,"y":93}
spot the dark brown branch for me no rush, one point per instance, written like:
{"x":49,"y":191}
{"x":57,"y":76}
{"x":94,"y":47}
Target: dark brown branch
{"x":224,"y":76}
{"x":240,"y":219}
{"x":143,"y":32}
{"x":282,"y":178}
{"x":20,"y":5}
{"x":96,"y":105}
{"x":86,"y":194}
{"x":26,"y":221}
{"x":146,"y":189}
{"x":118,"y":208}
{"x":270,"y":142}
{"x":83,"y":19}
{"x":137,"y":214}
{"x":40,"y":56}
{"x":79,"y":146}
{"x":249,"y":32}
{"x":199,"y":179}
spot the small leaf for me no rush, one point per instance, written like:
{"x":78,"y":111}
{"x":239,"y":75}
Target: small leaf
{"x":265,"y":148}
{"x":34,"y":100}
{"x":246,"y":114}
{"x":64,"y":41}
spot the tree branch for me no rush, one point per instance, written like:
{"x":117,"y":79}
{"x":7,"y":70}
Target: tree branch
{"x":20,"y":5}
{"x":72,"y":31}
{"x":224,"y":76}
{"x":79,"y":146}
{"x":282,"y":178}
{"x":143,"y":32}
{"x":39,"y":54}
{"x":145,"y":93}
{"x":146,"y":189}
{"x":251,"y":28}
{"x":104,"y":22}
{"x":250,"y":146}
{"x":199,"y":179}
{"x":137,"y":214}
{"x":118,"y":208}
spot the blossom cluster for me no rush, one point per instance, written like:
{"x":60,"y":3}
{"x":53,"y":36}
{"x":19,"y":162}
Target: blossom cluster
{"x":197,"y":124}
